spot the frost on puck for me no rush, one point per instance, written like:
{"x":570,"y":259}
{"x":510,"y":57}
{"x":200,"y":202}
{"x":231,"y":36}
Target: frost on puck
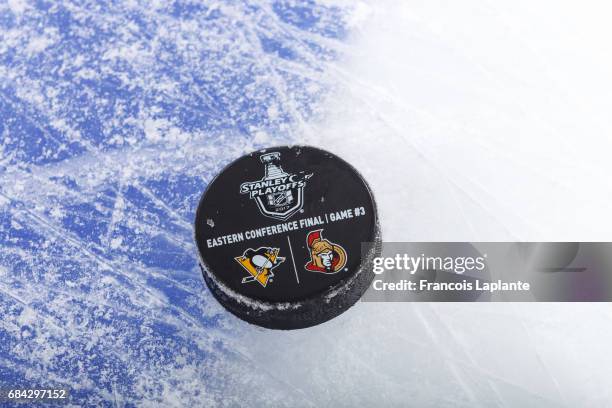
{"x":280,"y":233}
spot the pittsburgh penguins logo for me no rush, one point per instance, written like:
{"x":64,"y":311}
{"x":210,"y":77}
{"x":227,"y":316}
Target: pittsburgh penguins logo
{"x":259,"y":264}
{"x":325,"y":256}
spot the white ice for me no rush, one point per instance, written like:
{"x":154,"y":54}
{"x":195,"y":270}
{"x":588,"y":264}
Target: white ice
{"x":472,"y":120}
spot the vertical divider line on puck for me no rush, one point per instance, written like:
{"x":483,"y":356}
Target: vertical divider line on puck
{"x":297,"y":278}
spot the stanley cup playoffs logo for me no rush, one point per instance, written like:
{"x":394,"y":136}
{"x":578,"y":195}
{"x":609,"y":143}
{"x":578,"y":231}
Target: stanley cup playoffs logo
{"x":278,"y":194}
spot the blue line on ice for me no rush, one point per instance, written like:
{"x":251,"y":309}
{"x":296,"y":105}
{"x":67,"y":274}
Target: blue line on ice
{"x":114,"y":116}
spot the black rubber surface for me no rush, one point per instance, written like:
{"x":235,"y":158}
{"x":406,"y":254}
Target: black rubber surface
{"x":280,"y":236}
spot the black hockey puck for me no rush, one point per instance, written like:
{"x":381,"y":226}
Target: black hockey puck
{"x":280,"y":234}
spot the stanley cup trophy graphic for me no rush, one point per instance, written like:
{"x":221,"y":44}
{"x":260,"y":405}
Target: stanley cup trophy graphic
{"x":280,"y":200}
{"x":278,"y":194}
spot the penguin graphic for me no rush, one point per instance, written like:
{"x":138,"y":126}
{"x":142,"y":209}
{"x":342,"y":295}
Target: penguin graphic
{"x":259,"y":263}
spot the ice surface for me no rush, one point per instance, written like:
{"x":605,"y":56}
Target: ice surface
{"x":475,"y":121}
{"x":113,"y":119}
{"x":472,"y":121}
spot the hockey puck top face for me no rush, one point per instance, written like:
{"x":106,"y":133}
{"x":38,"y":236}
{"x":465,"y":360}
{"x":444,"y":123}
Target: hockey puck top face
{"x":283,"y":225}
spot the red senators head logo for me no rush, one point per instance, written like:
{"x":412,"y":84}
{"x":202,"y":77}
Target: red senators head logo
{"x":325,"y":256}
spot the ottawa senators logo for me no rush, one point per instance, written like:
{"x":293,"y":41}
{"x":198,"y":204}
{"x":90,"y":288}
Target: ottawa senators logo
{"x":325,"y":256}
{"x":259,"y":264}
